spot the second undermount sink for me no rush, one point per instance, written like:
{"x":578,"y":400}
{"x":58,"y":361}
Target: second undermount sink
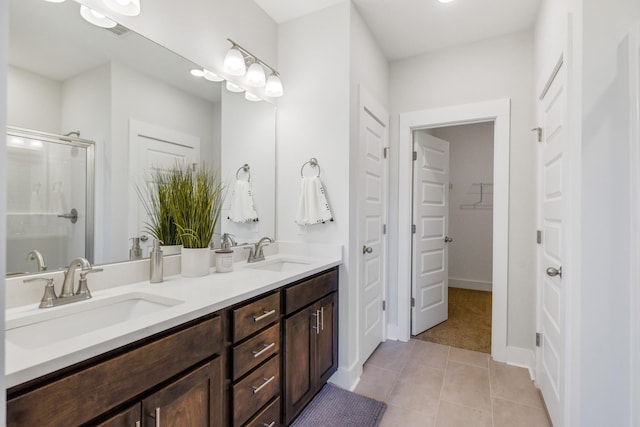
{"x":48,"y":326}
{"x":279,"y":264}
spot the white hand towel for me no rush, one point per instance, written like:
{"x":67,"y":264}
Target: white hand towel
{"x":313,"y":207}
{"x":243,"y":209}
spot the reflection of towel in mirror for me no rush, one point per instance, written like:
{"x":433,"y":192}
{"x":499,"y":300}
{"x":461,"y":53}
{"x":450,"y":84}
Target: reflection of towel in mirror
{"x":313,"y":207}
{"x":243,"y":209}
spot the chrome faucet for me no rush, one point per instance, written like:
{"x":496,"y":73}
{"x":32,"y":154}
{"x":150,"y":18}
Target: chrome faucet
{"x":36,"y":256}
{"x":69,"y":276}
{"x":256,"y":254}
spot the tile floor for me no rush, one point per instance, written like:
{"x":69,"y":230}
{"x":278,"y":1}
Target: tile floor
{"x":426,"y":384}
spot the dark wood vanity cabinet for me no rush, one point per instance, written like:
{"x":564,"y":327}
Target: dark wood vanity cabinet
{"x":310,"y":340}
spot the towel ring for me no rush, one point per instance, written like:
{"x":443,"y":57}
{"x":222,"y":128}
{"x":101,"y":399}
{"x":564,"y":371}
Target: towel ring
{"x":313,"y":163}
{"x":244,"y":168}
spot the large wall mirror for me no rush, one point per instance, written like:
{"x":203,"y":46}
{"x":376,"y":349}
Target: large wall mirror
{"x":133,"y":104}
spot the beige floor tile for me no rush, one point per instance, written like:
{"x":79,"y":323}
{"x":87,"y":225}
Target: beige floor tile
{"x":510,"y":414}
{"x":391,"y":355}
{"x":415,"y":389}
{"x":513,"y":383}
{"x":396,"y":416}
{"x":452,"y":415}
{"x":467,"y":385}
{"x":376,"y":382}
{"x":429,"y":354}
{"x":469,"y":357}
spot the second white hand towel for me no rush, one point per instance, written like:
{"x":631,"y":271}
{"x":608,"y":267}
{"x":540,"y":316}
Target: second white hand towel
{"x":243,"y":209}
{"x":313,"y":207}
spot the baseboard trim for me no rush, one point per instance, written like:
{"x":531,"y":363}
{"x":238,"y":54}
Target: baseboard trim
{"x":474,"y":285}
{"x":523,"y":357}
{"x":347,"y":378}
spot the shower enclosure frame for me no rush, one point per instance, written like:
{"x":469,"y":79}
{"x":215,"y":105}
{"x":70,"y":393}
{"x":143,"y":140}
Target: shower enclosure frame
{"x":90,"y":147}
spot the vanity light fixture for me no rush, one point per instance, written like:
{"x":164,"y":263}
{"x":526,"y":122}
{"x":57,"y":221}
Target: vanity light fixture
{"x":231,"y":87}
{"x":236,"y":61}
{"x":251,"y":97}
{"x":124,"y":7}
{"x":96,"y":18}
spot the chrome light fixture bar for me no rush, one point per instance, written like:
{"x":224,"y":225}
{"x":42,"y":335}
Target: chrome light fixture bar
{"x":238,"y":59}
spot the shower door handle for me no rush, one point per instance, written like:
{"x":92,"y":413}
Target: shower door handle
{"x":72,"y":216}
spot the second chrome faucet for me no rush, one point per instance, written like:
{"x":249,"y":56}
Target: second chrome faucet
{"x":256,"y":253}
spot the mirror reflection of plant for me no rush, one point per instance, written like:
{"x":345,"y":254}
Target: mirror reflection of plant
{"x":195,"y":204}
{"x":155,"y":197}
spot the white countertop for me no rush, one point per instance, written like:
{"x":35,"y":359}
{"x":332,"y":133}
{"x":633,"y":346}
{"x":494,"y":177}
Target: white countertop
{"x":197,"y":296}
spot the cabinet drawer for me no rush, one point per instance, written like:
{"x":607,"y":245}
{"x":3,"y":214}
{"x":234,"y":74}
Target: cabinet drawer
{"x":85,"y":394}
{"x":256,"y":350}
{"x":268,"y":417}
{"x":297,"y":296}
{"x":255,"y":390}
{"x":255,"y":316}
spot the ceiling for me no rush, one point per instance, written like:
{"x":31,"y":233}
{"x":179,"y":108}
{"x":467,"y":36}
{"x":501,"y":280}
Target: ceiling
{"x":405,"y":28}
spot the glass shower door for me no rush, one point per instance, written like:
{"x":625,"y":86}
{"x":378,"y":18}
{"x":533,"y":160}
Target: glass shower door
{"x":49,"y":200}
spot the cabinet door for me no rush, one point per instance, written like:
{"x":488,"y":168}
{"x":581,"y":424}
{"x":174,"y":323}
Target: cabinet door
{"x":298,"y":361}
{"x":192,"y":401}
{"x":326,"y":351}
{"x":130,"y":417}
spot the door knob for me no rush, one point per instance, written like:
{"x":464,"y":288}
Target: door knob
{"x":552,"y":272}
{"x":448,"y":239}
{"x":367,"y":249}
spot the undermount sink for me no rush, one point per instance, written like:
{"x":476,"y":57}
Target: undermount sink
{"x":279,"y":265}
{"x":49,"y":326}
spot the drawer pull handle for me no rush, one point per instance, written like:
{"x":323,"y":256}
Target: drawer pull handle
{"x":273,"y":423}
{"x":264,"y":315}
{"x":266,"y":347}
{"x":261,"y":386}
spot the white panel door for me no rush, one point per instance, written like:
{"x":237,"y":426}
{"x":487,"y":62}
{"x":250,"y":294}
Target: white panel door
{"x":153,"y":147}
{"x":551,"y":313}
{"x":429,"y":285}
{"x":373,"y":175}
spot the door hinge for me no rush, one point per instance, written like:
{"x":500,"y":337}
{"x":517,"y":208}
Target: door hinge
{"x":385,"y":152}
{"x":539,"y":237}
{"x":538,"y":339}
{"x":413,"y":302}
{"x":415,"y":155}
{"x":413,"y":229}
{"x":538,"y":131}
{"x":384,"y":228}
{"x":384,"y":305}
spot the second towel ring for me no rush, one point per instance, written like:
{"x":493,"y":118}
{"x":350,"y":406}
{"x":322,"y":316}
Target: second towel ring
{"x":313,"y":162}
{"x":246,"y":169}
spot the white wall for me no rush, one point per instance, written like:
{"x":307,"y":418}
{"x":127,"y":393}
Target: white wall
{"x":4,"y":40}
{"x":33,"y":101}
{"x":471,"y":162}
{"x":605,"y":370}
{"x":487,"y":70}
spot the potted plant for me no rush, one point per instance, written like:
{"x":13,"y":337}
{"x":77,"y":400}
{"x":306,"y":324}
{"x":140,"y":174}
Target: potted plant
{"x":155,"y":197}
{"x":195,"y":205}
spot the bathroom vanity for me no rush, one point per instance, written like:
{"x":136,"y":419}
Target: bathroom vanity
{"x":253,"y":354}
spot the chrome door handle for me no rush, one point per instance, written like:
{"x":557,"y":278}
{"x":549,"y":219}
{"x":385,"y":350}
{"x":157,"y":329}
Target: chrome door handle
{"x":367,"y":249}
{"x":552,"y":272}
{"x":448,"y":239}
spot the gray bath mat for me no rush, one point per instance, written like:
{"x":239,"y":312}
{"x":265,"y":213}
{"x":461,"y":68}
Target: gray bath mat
{"x":335,"y":407}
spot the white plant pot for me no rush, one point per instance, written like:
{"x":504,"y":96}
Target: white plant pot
{"x":195,"y":262}
{"x":171,"y":249}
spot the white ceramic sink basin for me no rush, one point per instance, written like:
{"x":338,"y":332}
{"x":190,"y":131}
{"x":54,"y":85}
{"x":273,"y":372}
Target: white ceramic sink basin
{"x":278,"y":264}
{"x":51,"y":325}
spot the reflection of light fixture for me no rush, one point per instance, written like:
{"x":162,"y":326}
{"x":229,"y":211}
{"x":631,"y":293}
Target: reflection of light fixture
{"x":255,"y":75}
{"x":231,"y":87}
{"x":96,"y":18}
{"x":274,"y":86}
{"x":197,"y":72}
{"x":124,"y":7}
{"x":54,"y":1}
{"x":212,"y":77}
{"x":235,"y":63}
{"x":251,"y":97}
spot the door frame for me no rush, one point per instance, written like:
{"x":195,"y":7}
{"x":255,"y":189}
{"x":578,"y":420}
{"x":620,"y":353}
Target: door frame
{"x":367,"y":103}
{"x":499,"y":112}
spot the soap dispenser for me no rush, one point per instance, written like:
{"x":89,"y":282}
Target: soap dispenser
{"x":156,"y":268}
{"x":224,"y":256}
{"x":136,"y":251}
